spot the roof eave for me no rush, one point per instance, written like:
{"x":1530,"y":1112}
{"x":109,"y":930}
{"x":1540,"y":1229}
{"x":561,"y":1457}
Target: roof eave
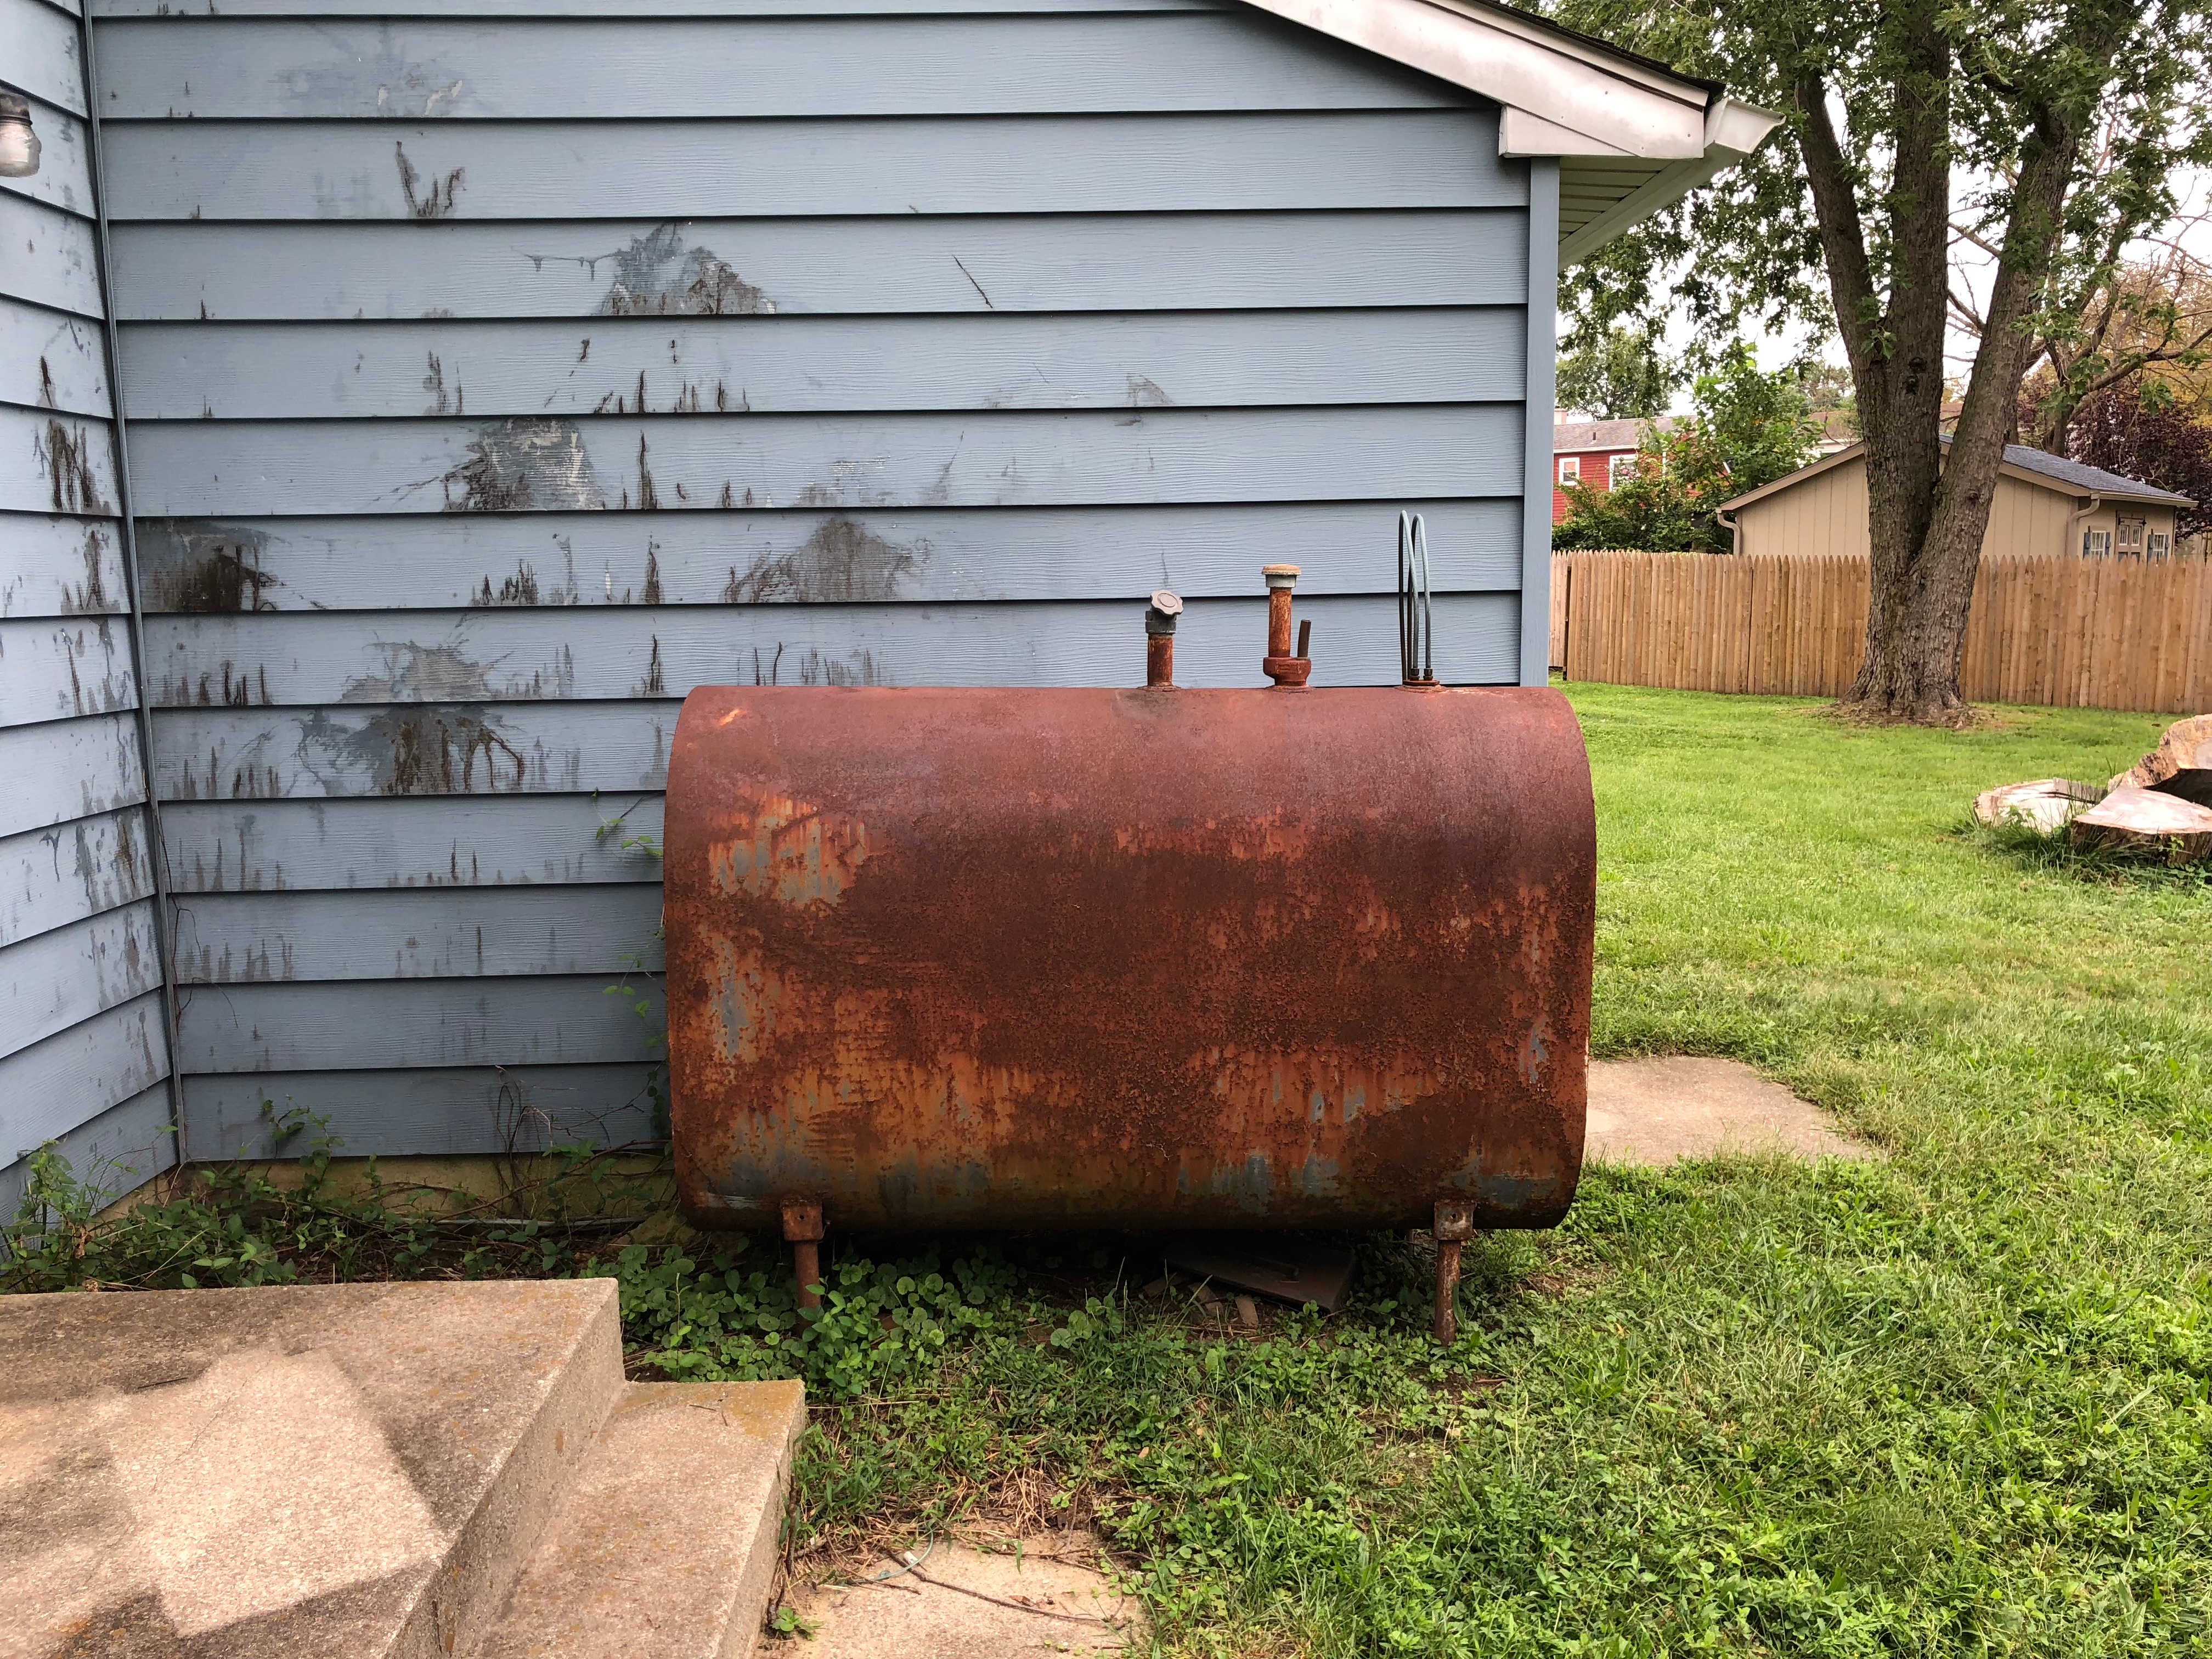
{"x":2072,"y":491}
{"x":1733,"y":131}
{"x":1790,"y":480}
{"x":1563,"y":93}
{"x":2078,"y":490}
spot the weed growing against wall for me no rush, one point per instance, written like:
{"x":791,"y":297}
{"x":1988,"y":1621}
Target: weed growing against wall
{"x":241,"y":1223}
{"x":632,"y":987}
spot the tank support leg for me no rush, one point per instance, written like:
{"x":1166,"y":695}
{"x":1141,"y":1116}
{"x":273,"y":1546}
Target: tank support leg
{"x":802,"y":1226}
{"x":1454,"y":1226}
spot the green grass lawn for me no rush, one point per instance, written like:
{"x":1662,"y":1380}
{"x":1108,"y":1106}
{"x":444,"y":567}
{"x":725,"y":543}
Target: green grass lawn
{"x":1955,"y":1403}
{"x":1952,"y":1402}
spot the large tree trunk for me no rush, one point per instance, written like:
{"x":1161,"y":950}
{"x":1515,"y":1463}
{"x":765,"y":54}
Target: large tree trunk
{"x":1927,"y":513}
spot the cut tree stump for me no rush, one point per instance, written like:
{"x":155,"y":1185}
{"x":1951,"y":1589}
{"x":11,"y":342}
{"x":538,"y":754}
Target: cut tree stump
{"x":2181,"y":765}
{"x":2045,"y":804}
{"x":2147,"y":821}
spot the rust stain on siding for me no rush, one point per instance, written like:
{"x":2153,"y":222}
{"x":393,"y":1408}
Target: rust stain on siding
{"x":199,"y":567}
{"x":227,"y":686}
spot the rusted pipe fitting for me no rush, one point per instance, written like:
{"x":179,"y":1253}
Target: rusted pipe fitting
{"x":802,"y":1226}
{"x":1288,"y":671}
{"x":1159,"y":638}
{"x":1454,"y":1226}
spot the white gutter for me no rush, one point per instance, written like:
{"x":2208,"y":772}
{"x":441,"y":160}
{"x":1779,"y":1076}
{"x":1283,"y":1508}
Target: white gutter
{"x":2095,"y":502}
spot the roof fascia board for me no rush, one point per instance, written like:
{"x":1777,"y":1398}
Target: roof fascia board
{"x":2005,"y":468}
{"x":1790,"y":480}
{"x":1520,"y":133}
{"x":1582,"y":91}
{"x":1733,"y":131}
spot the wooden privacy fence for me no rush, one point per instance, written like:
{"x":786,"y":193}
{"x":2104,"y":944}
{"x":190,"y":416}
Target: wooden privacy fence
{"x":2076,"y":632}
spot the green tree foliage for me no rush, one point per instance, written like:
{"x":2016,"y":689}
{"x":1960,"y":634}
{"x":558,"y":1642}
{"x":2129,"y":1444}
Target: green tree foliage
{"x":1618,"y":375}
{"x":1749,"y":429}
{"x":2048,"y":133}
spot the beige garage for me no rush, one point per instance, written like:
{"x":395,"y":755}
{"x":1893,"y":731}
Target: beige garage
{"x":2044,"y":504}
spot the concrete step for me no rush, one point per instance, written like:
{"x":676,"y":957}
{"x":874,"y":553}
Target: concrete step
{"x":664,"y":1546}
{"x":344,"y":1472}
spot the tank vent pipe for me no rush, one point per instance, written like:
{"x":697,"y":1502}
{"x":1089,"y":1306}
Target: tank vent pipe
{"x":1417,"y":629}
{"x":1287,"y":670}
{"x":1159,"y":638}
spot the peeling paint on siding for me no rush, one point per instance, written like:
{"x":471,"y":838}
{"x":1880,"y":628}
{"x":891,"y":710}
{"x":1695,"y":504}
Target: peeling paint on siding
{"x":65,"y":455}
{"x":843,"y":561}
{"x":436,"y":201}
{"x":90,"y":596}
{"x":857,"y":668}
{"x":657,"y":274}
{"x":433,"y":382}
{"x":415,"y":672}
{"x":528,"y":461}
{"x":419,"y":751}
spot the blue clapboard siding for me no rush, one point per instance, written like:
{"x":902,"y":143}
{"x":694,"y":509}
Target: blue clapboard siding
{"x":422,"y":1110}
{"x":82,"y":1057}
{"x":676,"y":462}
{"x":38,"y":47}
{"x":496,"y":560}
{"x":51,"y":359}
{"x":380,"y":841}
{"x":496,"y":375}
{"x":60,"y":668}
{"x":770,"y":365}
{"x":228,"y":170}
{"x":422,"y":69}
{"x":536,"y":10}
{"x":518,"y":657}
{"x":907,"y":264}
{"x":50,"y":260}
{"x":60,"y":567}
{"x":52,"y":877}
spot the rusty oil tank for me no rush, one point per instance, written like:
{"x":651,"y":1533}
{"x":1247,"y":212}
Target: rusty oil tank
{"x":1139,"y":959}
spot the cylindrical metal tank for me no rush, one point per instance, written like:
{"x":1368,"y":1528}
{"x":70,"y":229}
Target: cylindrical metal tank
{"x":1135,"y":959}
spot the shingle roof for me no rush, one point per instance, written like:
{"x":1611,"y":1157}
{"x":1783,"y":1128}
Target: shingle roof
{"x":2087,"y":480}
{"x":2069,"y":478}
{"x":1573,"y":437}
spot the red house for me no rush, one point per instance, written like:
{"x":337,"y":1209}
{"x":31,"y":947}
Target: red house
{"x":1595,"y":452}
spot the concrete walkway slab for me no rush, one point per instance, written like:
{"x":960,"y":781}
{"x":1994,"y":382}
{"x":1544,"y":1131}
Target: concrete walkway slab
{"x":1655,"y":1111}
{"x":968,"y":1603}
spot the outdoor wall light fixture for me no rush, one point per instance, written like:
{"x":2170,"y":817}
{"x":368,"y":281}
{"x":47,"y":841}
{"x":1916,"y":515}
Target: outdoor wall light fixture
{"x":19,"y":142}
